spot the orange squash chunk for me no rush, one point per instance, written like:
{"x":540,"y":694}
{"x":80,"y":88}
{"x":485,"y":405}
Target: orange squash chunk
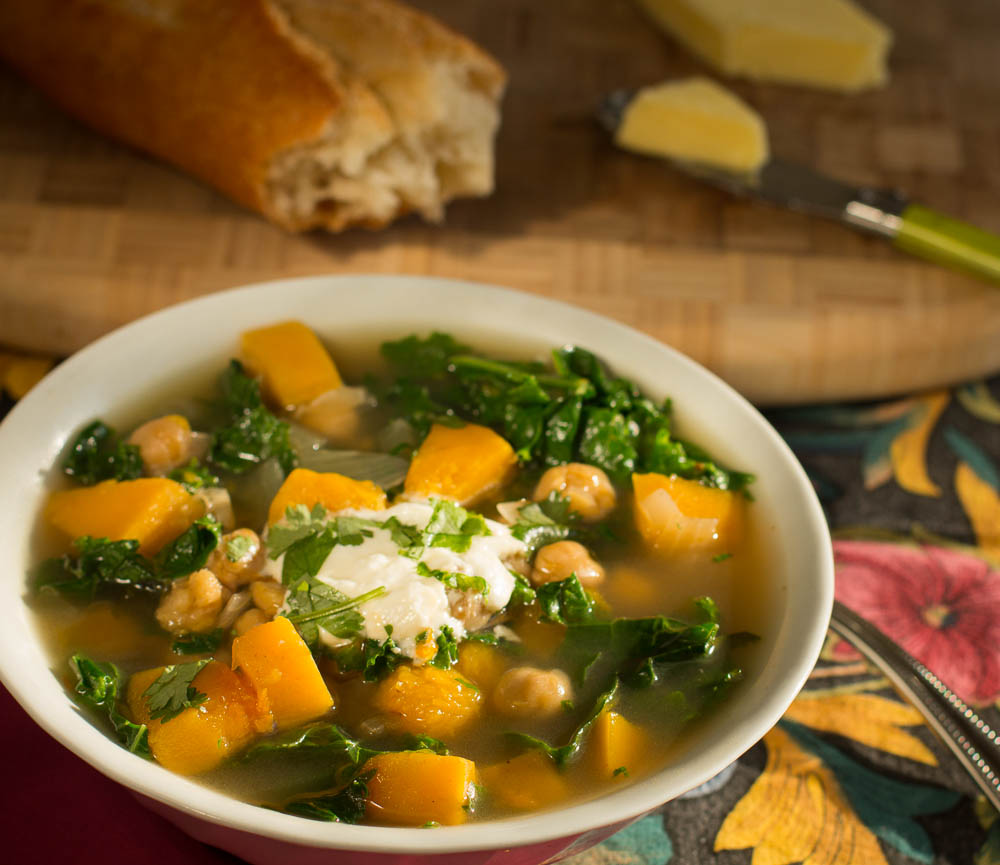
{"x":149,"y":510}
{"x":293,"y":365}
{"x":526,"y":782}
{"x":429,"y":701}
{"x":461,"y":463}
{"x":481,"y":664}
{"x":201,"y":737}
{"x":279,"y":665}
{"x":616,"y":742}
{"x":675,"y":515}
{"x":416,"y":787}
{"x":335,"y":492}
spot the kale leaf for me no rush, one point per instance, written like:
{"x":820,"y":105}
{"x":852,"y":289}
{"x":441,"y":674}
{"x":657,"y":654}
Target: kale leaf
{"x":189,"y":551}
{"x":100,"y":565}
{"x":195,"y":476}
{"x":347,"y":805}
{"x":198,"y":644}
{"x":99,"y":686}
{"x":564,"y":753}
{"x":577,"y":411}
{"x":376,"y":660}
{"x":447,"y":649}
{"x":172,"y":692}
{"x":251,"y":434}
{"x":98,"y":454}
{"x":565,"y":602}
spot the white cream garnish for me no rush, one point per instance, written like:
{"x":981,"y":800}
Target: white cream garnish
{"x":413,"y":604}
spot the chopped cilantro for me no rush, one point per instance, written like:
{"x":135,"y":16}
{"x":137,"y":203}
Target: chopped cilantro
{"x":172,"y":692}
{"x":238,"y":547}
{"x":455,"y":580}
{"x":447,"y":649}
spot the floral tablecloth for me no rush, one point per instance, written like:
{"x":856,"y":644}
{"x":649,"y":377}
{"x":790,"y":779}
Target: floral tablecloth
{"x":850,"y":776}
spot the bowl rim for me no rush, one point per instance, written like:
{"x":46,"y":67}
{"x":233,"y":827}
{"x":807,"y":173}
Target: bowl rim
{"x":185,"y":795}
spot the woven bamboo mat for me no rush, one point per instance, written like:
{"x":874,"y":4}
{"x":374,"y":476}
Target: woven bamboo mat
{"x":785,"y":307}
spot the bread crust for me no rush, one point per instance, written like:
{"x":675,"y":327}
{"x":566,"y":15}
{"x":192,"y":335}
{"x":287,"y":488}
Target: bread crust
{"x":220,"y":88}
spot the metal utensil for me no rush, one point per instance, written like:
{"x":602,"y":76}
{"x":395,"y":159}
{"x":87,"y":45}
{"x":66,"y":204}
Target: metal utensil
{"x":911,"y":227}
{"x":970,"y":738}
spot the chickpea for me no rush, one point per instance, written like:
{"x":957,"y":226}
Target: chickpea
{"x":588,"y":489}
{"x":531,"y":692}
{"x":247,"y":620}
{"x":557,"y":561}
{"x":238,"y":558}
{"x":192,"y":604}
{"x":165,"y":443}
{"x":268,"y":596}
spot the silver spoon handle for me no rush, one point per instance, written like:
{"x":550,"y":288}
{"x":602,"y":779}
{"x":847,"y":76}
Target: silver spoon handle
{"x":969,"y":737}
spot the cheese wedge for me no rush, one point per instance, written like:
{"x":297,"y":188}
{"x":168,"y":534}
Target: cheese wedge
{"x":695,"y":120}
{"x":823,"y":43}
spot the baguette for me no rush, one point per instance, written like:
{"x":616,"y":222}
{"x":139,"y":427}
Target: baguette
{"x":315,"y":113}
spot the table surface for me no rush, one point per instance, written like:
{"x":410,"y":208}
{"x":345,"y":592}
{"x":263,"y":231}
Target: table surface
{"x":785,"y":307}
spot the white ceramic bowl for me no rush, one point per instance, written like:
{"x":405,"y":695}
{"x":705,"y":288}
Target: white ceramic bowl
{"x":126,"y":366}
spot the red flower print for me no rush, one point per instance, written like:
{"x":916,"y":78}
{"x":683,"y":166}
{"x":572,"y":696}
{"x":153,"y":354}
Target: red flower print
{"x":941,"y":605}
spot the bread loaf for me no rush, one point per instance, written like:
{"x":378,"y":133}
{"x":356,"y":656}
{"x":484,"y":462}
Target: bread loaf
{"x":316,"y":113}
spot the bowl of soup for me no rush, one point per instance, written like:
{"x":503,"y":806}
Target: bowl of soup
{"x":362,"y":569}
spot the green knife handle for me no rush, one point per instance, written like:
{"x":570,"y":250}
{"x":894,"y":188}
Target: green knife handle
{"x":948,"y":241}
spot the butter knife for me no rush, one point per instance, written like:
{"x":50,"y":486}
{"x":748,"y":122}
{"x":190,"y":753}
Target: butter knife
{"x":911,"y":227}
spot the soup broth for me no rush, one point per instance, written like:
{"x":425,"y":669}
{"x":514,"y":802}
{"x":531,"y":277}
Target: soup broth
{"x":579,"y":682}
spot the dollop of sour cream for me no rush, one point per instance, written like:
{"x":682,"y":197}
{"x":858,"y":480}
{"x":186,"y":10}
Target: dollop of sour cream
{"x":412,"y":603}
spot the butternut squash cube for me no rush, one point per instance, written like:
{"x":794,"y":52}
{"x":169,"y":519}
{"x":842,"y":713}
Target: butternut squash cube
{"x":429,"y":701}
{"x":481,"y":664}
{"x":527,"y":782}
{"x":416,"y":787}
{"x":462,"y":463}
{"x":200,"y":738}
{"x":293,"y":365}
{"x":279,"y":665}
{"x":149,"y":510}
{"x":335,"y":492}
{"x":617,"y":743}
{"x":675,"y":515}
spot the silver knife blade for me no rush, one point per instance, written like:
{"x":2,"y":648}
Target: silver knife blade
{"x":786,"y":184}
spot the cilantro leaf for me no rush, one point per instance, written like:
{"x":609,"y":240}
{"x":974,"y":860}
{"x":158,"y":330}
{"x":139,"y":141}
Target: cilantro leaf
{"x":98,"y":454}
{"x":541,"y":523}
{"x":99,"y":566}
{"x":172,"y":692}
{"x":238,"y":547}
{"x":447,"y":653}
{"x":252,"y":434}
{"x":299,"y":522}
{"x":99,"y":686}
{"x":455,"y":579}
{"x":189,"y":551}
{"x":454,"y":527}
{"x":312,"y":604}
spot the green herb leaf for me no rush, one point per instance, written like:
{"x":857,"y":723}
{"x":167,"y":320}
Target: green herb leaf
{"x":564,"y":753}
{"x":447,"y":653}
{"x":99,"y":566}
{"x":99,"y":686}
{"x":189,"y":551}
{"x":423,"y":358}
{"x":376,"y":660}
{"x":98,"y":454}
{"x":299,"y":523}
{"x":347,"y":805}
{"x":312,"y":605}
{"x":523,"y":593}
{"x":454,"y":527}
{"x":198,"y":644}
{"x":565,"y":602}
{"x":252,"y":434}
{"x":172,"y":692}
{"x":455,"y":579}
{"x":541,"y":523}
{"x":195,"y":476}
{"x":420,"y":742}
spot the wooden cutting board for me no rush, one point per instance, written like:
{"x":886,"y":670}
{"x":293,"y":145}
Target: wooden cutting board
{"x":785,"y":307}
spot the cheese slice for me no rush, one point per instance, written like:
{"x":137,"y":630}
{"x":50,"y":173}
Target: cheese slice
{"x":695,"y":120}
{"x":824,"y":43}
